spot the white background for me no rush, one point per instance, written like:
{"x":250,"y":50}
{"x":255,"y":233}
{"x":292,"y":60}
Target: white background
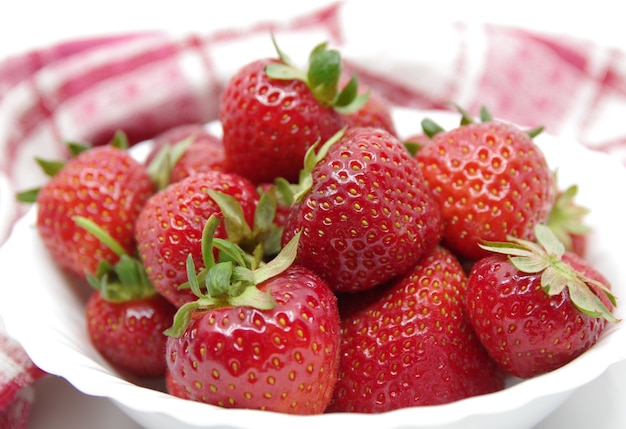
{"x":30,"y":24}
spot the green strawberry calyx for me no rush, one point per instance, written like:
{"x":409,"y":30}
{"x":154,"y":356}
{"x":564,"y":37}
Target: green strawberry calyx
{"x":294,"y":192}
{"x":126,"y":280}
{"x":264,"y":233}
{"x":160,"y":168}
{"x":232,"y":279}
{"x":545,"y":256}
{"x":432,"y":128}
{"x":322,"y":78}
{"x":567,"y":216}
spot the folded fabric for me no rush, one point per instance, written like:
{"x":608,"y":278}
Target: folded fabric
{"x":17,"y":413}
{"x":17,"y":373}
{"x":144,"y":83}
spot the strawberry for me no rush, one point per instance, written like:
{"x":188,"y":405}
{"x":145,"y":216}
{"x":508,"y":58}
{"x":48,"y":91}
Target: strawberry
{"x":271,"y":113}
{"x":125,"y":315}
{"x":104,"y":184}
{"x":412,"y":345}
{"x":490,"y":180}
{"x":536,"y":306}
{"x":364,"y":212}
{"x":184,"y":151}
{"x":129,"y":333}
{"x":264,"y":338}
{"x":170,"y":226}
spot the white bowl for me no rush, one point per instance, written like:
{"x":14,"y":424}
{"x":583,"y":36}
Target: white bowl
{"x":45,"y":313}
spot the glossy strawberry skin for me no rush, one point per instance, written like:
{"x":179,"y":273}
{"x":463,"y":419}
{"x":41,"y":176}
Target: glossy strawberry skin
{"x":526,"y":331}
{"x":269,"y":124}
{"x":368,"y":216}
{"x":129,"y":334}
{"x":490,"y":180}
{"x":170,"y":227}
{"x":103,"y":184}
{"x":412,"y":345}
{"x":284,"y":359}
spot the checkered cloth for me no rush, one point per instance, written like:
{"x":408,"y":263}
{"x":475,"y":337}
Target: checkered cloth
{"x":17,"y":373}
{"x":145,"y":83}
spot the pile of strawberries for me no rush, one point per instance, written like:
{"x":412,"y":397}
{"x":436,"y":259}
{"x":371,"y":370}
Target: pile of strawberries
{"x":309,"y":260}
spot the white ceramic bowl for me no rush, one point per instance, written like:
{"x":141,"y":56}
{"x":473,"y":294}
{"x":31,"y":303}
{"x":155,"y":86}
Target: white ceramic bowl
{"x":45,"y":313}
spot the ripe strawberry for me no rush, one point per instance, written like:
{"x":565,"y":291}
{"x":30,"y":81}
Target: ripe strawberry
{"x":490,"y":180}
{"x":129,"y":333}
{"x":413,"y":345}
{"x":125,"y":315}
{"x":104,"y":184}
{"x":184,"y":151}
{"x":535,"y":306}
{"x":271,"y":113}
{"x":170,"y":227}
{"x":366,"y":215}
{"x":263,"y":339}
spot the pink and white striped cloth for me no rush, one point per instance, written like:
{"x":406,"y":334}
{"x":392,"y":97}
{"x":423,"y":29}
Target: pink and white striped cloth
{"x":145,"y":83}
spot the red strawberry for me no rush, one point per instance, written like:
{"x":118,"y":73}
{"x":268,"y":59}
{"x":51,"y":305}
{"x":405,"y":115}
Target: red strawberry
{"x":104,"y":184}
{"x":129,"y":333}
{"x":413,"y":346}
{"x":366,"y":215}
{"x":536,"y":307}
{"x":171,"y":223}
{"x":273,"y":345}
{"x":271,"y":113}
{"x":490,"y":180}
{"x":125,"y":315}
